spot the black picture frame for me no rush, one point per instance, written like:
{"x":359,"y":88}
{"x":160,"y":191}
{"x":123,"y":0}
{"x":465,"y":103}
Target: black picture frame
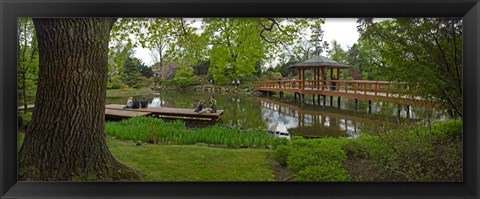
{"x":10,"y":10}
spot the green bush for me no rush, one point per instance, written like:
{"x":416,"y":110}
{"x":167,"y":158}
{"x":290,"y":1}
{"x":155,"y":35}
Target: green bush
{"x":118,"y":85}
{"x":279,"y":141}
{"x":300,"y":158}
{"x":280,"y":154}
{"x":421,"y":154}
{"x":332,"y":171}
{"x":356,"y":150}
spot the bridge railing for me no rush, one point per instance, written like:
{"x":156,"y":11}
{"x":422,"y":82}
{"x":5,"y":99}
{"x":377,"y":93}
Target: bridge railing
{"x":365,"y":87}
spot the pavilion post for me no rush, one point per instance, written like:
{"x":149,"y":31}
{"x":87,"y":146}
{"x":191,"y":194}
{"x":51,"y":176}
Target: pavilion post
{"x":331,"y":75}
{"x":338,"y":78}
{"x":303,"y":79}
{"x":323,"y":78}
{"x":299,"y":77}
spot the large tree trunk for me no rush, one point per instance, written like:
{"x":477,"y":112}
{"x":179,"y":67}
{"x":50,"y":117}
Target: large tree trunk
{"x":65,"y":140}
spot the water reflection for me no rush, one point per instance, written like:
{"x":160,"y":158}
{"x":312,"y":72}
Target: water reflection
{"x":310,"y":123}
{"x":307,"y":120}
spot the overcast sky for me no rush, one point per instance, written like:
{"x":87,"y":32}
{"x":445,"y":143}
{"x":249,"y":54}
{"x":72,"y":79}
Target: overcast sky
{"x":344,"y":30}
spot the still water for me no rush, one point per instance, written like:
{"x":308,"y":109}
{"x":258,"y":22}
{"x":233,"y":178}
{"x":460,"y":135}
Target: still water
{"x":287,"y":115}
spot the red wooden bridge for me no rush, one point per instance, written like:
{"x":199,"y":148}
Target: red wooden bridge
{"x":399,"y":93}
{"x":320,"y":85}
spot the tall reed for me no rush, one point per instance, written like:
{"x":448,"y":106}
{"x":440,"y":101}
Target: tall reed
{"x":154,"y":130}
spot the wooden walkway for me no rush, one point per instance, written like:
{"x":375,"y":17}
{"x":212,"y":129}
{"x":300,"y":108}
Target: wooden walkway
{"x":398,"y":93}
{"x":117,"y":110}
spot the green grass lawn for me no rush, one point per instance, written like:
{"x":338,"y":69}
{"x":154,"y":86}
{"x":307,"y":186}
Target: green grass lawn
{"x":193,"y":163}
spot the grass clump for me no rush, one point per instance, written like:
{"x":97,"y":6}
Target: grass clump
{"x":157,"y":131}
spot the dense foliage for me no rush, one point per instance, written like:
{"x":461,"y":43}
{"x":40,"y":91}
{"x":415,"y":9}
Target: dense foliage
{"x":419,"y":154}
{"x":27,"y":62}
{"x":426,"y":52}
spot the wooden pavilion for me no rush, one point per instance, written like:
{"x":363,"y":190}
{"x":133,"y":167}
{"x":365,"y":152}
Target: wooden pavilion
{"x":319,"y":64}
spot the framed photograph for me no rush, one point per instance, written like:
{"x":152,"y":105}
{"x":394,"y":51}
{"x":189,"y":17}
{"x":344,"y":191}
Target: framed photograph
{"x":227,"y":99}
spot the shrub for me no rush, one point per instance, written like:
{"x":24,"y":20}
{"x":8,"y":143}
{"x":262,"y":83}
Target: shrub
{"x":118,"y":85}
{"x":420,"y":154}
{"x":356,"y":150}
{"x":323,"y":172}
{"x":280,"y":154}
{"x":304,"y":153}
{"x":279,"y":141}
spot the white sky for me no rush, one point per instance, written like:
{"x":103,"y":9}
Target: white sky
{"x":343,"y":30}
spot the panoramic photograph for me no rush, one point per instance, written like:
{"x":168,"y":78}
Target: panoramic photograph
{"x":240,"y":99}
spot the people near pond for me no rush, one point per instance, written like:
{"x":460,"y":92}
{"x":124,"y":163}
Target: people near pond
{"x":129,"y":103}
{"x":200,"y":106}
{"x":143,"y":103}
{"x":238,"y":82}
{"x":294,"y":83}
{"x":279,"y":81}
{"x":202,"y":109}
{"x":233,"y":82}
{"x":213,"y":107}
{"x":135,"y":104}
{"x":334,"y":83}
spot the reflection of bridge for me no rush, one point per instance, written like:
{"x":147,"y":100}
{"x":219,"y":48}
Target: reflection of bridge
{"x":316,"y":123}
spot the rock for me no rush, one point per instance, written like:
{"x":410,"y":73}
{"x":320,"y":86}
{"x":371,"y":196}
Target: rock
{"x":139,"y":143}
{"x":269,"y":147}
{"x":171,"y":143}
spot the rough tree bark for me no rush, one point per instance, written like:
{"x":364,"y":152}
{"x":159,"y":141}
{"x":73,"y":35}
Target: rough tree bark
{"x":65,"y":140}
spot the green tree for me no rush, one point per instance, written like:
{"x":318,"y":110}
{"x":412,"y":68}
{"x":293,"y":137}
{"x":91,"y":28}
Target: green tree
{"x":183,"y":77}
{"x":131,"y":72}
{"x":146,"y":71}
{"x":28,"y":61}
{"x":117,"y":57}
{"x":336,"y":53}
{"x":236,"y":47}
{"x":426,"y":52}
